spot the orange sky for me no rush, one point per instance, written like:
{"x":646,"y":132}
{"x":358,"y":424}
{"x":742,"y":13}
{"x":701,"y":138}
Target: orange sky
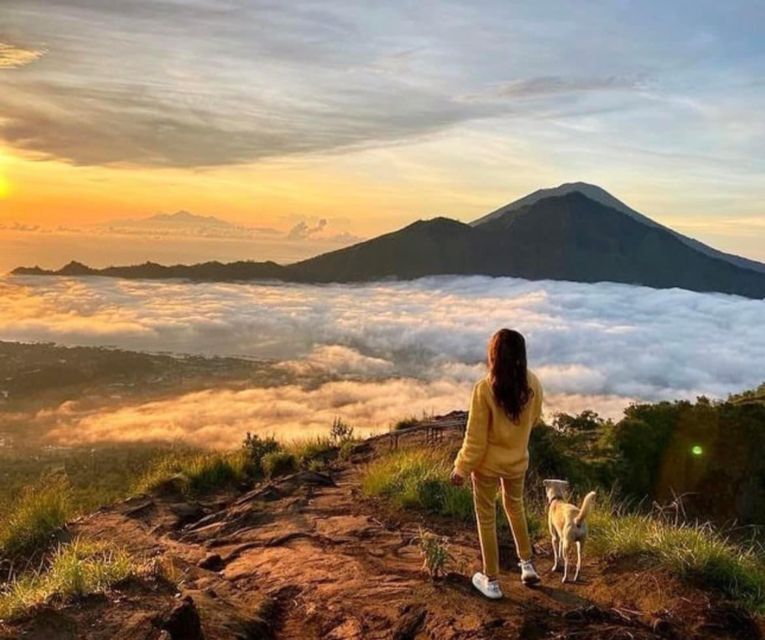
{"x":363,"y":192}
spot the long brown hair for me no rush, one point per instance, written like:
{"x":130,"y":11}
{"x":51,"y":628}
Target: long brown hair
{"x":508,"y":373}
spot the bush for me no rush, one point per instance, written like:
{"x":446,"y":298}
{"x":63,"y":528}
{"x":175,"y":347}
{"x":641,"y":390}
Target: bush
{"x":279,"y":463}
{"x":75,"y":570}
{"x":347,"y":449}
{"x":256,"y":448}
{"x":35,"y":516}
{"x":406,"y":423}
{"x":317,"y":466}
{"x":340,"y":431}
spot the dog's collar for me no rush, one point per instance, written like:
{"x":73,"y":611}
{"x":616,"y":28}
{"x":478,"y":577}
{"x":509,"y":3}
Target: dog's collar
{"x":553,"y":499}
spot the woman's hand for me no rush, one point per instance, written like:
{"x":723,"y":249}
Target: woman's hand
{"x":456,"y":479}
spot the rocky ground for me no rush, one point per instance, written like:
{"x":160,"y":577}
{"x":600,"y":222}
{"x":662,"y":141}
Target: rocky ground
{"x":307,"y":556}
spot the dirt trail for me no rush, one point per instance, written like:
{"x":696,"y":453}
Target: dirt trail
{"x":307,"y":557}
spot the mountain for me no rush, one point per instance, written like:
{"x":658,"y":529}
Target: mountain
{"x":598,"y":194}
{"x":563,"y":234}
{"x":566,"y":237}
{"x":185,"y":223}
{"x":182,"y":218}
{"x":423,"y":248}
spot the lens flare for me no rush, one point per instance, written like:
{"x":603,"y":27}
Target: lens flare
{"x":697,"y":450}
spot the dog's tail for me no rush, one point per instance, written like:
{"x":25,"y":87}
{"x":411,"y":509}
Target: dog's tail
{"x":584,"y":510}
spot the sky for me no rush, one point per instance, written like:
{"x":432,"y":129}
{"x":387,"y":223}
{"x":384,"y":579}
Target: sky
{"x":366,"y":116}
{"x":376,"y":353}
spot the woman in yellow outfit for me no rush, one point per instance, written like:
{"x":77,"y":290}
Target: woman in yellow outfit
{"x":504,"y":407}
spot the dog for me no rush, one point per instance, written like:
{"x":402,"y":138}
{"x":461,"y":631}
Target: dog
{"x":567,"y":523}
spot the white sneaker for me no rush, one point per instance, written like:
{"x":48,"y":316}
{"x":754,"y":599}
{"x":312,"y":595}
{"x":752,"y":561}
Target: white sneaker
{"x":489,"y":588}
{"x":528,"y":573}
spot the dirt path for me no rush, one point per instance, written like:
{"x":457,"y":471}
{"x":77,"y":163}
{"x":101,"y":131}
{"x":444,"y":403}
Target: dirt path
{"x":307,"y":557}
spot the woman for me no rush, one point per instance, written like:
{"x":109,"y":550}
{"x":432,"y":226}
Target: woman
{"x":505,"y":406}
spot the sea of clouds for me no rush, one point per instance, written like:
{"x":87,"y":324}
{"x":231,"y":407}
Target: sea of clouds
{"x":379,"y":352}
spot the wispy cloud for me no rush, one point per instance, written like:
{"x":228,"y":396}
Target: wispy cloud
{"x":543,"y":86}
{"x":12,"y":56}
{"x":301,"y":230}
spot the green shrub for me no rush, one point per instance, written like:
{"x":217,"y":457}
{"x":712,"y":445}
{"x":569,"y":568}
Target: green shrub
{"x":279,"y":463}
{"x":35,"y":516}
{"x":256,"y":448}
{"x":75,"y":570}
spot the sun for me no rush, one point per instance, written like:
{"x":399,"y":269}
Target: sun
{"x":5,"y":186}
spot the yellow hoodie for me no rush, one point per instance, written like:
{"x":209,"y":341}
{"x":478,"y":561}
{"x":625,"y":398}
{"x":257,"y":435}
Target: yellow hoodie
{"x":494,"y":445}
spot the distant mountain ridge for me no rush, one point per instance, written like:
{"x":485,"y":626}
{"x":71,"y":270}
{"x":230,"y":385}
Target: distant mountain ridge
{"x":559,"y":234}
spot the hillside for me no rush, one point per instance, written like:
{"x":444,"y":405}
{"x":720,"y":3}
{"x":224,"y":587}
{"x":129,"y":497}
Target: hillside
{"x":308,"y":555}
{"x":574,"y":235}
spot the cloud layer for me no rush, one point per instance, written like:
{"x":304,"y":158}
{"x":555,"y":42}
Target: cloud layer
{"x":382,"y":351}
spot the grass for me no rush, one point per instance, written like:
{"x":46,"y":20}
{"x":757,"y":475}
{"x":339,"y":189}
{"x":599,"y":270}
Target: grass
{"x":97,"y":475}
{"x":31,"y":520}
{"x":75,"y":570}
{"x":419,"y":479}
{"x":307,"y":450}
{"x":695,"y":552}
{"x":279,"y":463}
{"x":197,"y":473}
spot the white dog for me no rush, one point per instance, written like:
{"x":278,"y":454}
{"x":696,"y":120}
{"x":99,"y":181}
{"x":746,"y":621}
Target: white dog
{"x":567,"y":524}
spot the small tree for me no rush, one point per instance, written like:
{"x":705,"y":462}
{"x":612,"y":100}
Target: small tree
{"x":340,"y":431}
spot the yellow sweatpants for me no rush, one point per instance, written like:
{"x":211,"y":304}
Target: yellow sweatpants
{"x":484,"y":498}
